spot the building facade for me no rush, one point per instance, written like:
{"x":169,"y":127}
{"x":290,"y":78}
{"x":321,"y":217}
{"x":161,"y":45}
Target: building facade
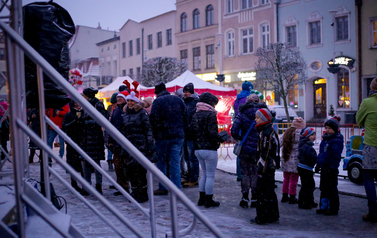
{"x":109,"y":59}
{"x":324,"y":32}
{"x":148,"y":39}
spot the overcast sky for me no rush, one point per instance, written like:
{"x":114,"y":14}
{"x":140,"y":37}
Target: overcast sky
{"x":112,"y":14}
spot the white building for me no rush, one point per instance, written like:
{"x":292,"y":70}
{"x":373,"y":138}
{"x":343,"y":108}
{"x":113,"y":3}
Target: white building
{"x":109,"y":60}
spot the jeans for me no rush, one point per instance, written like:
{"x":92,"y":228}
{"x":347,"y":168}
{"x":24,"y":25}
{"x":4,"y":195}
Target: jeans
{"x":208,"y":161}
{"x":51,"y":134}
{"x":109,"y":155}
{"x":238,"y":168}
{"x":249,"y":175}
{"x":86,"y":167}
{"x":290,"y":183}
{"x":192,"y":161}
{"x":370,"y":189}
{"x":168,"y":151}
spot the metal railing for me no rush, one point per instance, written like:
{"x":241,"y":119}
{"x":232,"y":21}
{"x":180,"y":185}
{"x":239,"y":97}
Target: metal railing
{"x":16,"y":47}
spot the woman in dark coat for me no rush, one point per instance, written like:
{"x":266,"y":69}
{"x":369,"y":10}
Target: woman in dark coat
{"x":71,"y":127}
{"x":35,"y":125}
{"x":137,"y":129}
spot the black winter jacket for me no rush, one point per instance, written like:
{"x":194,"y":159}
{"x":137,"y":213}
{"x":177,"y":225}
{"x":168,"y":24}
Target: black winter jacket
{"x":205,"y":130}
{"x":190,"y":103}
{"x":136,"y":128}
{"x":306,"y":154}
{"x":241,"y":125}
{"x":268,"y":147}
{"x":168,"y":117}
{"x":117,"y":120}
{"x":34,"y":124}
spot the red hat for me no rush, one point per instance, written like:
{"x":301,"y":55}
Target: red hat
{"x":123,"y":94}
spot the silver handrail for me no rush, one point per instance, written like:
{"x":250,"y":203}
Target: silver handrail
{"x":102,"y":121}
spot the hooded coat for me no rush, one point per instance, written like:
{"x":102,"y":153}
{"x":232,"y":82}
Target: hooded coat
{"x":330,"y":151}
{"x":307,"y":155}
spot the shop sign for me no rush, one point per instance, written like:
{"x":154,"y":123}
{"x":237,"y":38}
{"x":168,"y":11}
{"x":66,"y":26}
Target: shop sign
{"x":341,"y":60}
{"x":245,"y":76}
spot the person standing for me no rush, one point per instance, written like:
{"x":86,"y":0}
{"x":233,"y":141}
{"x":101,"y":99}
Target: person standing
{"x":268,"y":148}
{"x":249,"y":155}
{"x":289,"y":142}
{"x":110,"y":108}
{"x":241,"y":99}
{"x":56,"y":116}
{"x":191,"y":99}
{"x":367,"y":117}
{"x":92,"y":140}
{"x":35,"y":125}
{"x":168,"y":119}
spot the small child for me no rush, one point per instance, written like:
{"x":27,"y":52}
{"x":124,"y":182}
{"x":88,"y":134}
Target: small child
{"x":289,"y":163}
{"x":329,"y":157}
{"x":308,"y":158}
{"x":268,"y":148}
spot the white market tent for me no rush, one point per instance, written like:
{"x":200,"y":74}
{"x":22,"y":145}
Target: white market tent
{"x":107,"y":91}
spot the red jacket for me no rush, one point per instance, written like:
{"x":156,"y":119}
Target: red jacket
{"x":57,"y":119}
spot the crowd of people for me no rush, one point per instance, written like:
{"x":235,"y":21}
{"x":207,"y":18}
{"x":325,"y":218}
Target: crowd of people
{"x":180,"y":132}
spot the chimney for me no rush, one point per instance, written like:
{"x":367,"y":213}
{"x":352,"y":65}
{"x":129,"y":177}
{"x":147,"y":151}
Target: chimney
{"x":99,"y":26}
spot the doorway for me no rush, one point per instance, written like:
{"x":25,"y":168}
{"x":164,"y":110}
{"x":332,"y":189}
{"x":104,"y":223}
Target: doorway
{"x":319,"y":93}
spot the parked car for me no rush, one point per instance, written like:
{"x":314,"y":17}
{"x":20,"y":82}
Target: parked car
{"x":354,"y":159}
{"x":281,"y":116}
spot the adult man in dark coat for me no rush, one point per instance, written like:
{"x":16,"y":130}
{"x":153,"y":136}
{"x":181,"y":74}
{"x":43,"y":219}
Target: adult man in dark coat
{"x":191,"y":99}
{"x":168,"y":119}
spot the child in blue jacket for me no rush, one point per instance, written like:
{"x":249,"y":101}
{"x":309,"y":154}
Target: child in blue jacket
{"x":329,"y":156}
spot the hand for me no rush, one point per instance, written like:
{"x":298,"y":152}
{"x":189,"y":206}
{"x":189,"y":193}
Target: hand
{"x":316,"y":169}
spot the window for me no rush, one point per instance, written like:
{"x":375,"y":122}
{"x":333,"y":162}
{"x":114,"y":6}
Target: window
{"x":138,"y":46}
{"x":196,"y":55}
{"x":373,"y":26}
{"x":209,"y":15}
{"x":131,"y":74}
{"x":115,"y":46}
{"x":341,"y":28}
{"x":168,"y":37}
{"x":150,"y":42}
{"x":196,"y":19}
{"x":229,"y":6}
{"x":291,"y":35}
{"x":247,"y":41}
{"x":183,"y":22}
{"x":343,"y":89}
{"x":108,"y":48}
{"x":184,"y":58}
{"x":102,"y":50}
{"x":314,"y":33}
{"x":130,"y":47}
{"x":246,"y":4}
{"x":138,"y":73}
{"x":265,"y":1}
{"x":124,"y":50}
{"x":159,"y":39}
{"x":293,"y":97}
{"x":265,"y":34}
{"x":230,"y":43}
{"x":2,"y":54}
{"x":124,"y":72}
{"x":210,"y":52}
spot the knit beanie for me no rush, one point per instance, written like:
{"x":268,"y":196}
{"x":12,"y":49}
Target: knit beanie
{"x":113,"y":98}
{"x":189,"y":88}
{"x":307,"y":131}
{"x":148,"y":100}
{"x":298,"y":123}
{"x":253,"y":98}
{"x":208,"y":98}
{"x":260,"y":95}
{"x":123,"y":88}
{"x":373,"y":85}
{"x":90,"y":92}
{"x":265,"y":115}
{"x":123,"y":94}
{"x":247,"y":86}
{"x":333,"y":123}
{"x":133,"y":97}
{"x":159,"y":88}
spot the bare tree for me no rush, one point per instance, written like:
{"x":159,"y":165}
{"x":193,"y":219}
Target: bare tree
{"x":281,"y":67}
{"x":161,"y":69}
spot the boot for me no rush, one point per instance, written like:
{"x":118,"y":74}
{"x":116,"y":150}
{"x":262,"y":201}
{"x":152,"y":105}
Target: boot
{"x":99,"y":188}
{"x":245,"y":200}
{"x":75,"y":186}
{"x":210,"y":202}
{"x":285,"y":198}
{"x":111,"y":167}
{"x":30,"y":160}
{"x":292,"y":199}
{"x":253,"y":202}
{"x":202,"y":198}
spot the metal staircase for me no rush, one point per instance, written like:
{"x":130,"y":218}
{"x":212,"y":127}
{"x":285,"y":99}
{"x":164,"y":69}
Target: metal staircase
{"x":29,"y":205}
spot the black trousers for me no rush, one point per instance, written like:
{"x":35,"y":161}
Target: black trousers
{"x":329,"y":188}
{"x":138,"y":177}
{"x":267,"y":203}
{"x":306,"y":197}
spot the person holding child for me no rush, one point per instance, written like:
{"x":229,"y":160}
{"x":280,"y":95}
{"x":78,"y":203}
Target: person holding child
{"x":307,"y":157}
{"x":329,"y":157}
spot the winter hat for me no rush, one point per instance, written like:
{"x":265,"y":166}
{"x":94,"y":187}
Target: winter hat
{"x":90,"y":92}
{"x":113,"y":98}
{"x":159,"y":88}
{"x":123,"y":88}
{"x":148,"y":100}
{"x":189,"y":88}
{"x":133,"y":97}
{"x":123,"y":94}
{"x":298,"y":123}
{"x":247,"y":86}
{"x":333,"y":123}
{"x":179,"y":93}
{"x":373,"y":85}
{"x":260,"y":95}
{"x":253,"y":98}
{"x":307,"y":131}
{"x":265,"y":115}
{"x":208,"y":98}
